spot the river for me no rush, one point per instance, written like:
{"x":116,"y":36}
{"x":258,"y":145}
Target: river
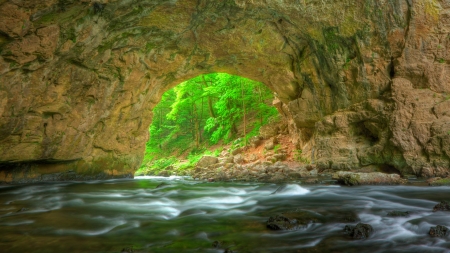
{"x":151,"y":214}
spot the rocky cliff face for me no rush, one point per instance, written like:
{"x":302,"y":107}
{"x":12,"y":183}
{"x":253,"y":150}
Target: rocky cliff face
{"x":364,"y":84}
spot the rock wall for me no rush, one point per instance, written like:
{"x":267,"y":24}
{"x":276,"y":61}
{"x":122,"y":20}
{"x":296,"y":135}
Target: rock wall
{"x":363,"y":83}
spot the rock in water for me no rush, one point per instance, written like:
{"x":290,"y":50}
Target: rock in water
{"x":279,"y":222}
{"x":376,"y":178}
{"x":443,"y":206}
{"x":23,"y":209}
{"x":127,"y":250}
{"x":217,"y":244}
{"x":293,"y":220}
{"x":360,"y":231}
{"x":398,"y":214}
{"x":438,"y":231}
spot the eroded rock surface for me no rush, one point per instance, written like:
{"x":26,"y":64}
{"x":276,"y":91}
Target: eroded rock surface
{"x":363,"y":84}
{"x":375,"y":178}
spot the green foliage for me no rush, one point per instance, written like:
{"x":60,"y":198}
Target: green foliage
{"x":204,"y":111}
{"x":276,"y":147}
{"x":298,"y":156}
{"x":157,"y":165}
{"x":347,"y":64}
{"x":163,"y":163}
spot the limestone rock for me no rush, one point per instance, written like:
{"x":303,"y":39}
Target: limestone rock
{"x":237,"y":151}
{"x":255,"y":141}
{"x":228,"y":159}
{"x":206,"y":161}
{"x":270,"y":143}
{"x":238,"y":158}
{"x":269,"y":130}
{"x":437,"y":181}
{"x":79,"y":81}
{"x":377,"y":178}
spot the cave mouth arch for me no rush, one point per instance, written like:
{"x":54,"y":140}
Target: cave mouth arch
{"x":202,"y":115}
{"x":80,"y":78}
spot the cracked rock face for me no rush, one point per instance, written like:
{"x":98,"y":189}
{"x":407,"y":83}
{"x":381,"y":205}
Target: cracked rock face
{"x":364,"y":84}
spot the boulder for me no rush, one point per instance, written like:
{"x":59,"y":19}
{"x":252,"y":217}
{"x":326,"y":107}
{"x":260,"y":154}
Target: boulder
{"x":279,"y":157}
{"x":438,"y":181}
{"x":438,"y":231}
{"x":360,"y":231}
{"x":376,"y":178}
{"x":206,"y":161}
{"x":163,"y":173}
{"x":443,"y":206}
{"x":237,"y":151}
{"x":252,"y":158}
{"x":434,"y":172}
{"x":280,"y":222}
{"x":269,"y":130}
{"x":228,"y":159}
{"x":292,"y":220}
{"x":255,"y":141}
{"x":224,"y":153}
{"x":270,"y":143}
{"x":238,"y":158}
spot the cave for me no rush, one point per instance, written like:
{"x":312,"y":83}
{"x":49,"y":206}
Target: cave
{"x":99,"y":67}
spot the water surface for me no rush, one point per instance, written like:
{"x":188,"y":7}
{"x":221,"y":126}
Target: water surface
{"x":177,"y":215}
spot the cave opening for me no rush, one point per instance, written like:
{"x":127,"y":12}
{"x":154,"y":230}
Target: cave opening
{"x":204,"y":116}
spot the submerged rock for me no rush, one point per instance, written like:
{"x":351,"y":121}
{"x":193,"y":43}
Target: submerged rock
{"x":341,"y":216}
{"x":217,"y":244}
{"x":376,"y":178}
{"x":360,"y":231}
{"x":443,"y":206}
{"x":127,"y":250}
{"x":161,"y":185}
{"x":398,"y":214}
{"x":280,"y":222}
{"x":221,"y":245}
{"x":23,"y":209}
{"x":438,"y":231}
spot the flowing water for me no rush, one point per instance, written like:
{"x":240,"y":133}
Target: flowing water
{"x":178,"y":215}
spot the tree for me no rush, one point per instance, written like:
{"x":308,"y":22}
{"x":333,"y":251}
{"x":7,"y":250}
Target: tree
{"x":208,"y":109}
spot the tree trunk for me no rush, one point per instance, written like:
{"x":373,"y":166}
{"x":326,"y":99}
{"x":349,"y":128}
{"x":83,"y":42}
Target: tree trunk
{"x":260,"y":102}
{"x":196,"y":125}
{"x":243,"y":108}
{"x":210,"y":103}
